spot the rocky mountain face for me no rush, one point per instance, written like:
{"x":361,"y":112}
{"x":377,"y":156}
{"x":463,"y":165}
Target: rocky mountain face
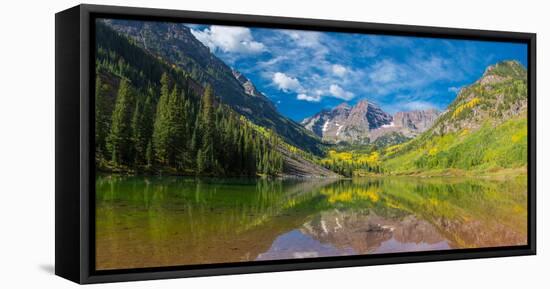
{"x":418,"y":120}
{"x":247,"y":84}
{"x":365,"y":122}
{"x":348,"y":123}
{"x":175,"y":44}
{"x":320,"y":124}
{"x":407,"y":124}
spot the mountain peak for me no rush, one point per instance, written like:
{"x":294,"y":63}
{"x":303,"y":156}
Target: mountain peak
{"x":348,"y":123}
{"x":343,"y":105}
{"x":362,"y":104}
{"x":365,"y":102}
{"x":501,"y":93}
{"x":504,"y":70}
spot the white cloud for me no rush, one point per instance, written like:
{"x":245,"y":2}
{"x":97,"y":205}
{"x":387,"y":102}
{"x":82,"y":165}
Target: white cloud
{"x":288,"y":83}
{"x":309,"y":39}
{"x":432,"y":66}
{"x":285,"y":82}
{"x":338,"y":92}
{"x":229,"y":39}
{"x":339,"y":70}
{"x":314,"y":98}
{"x":307,"y":45}
{"x":384,"y":71}
{"x":419,"y":105}
{"x":271,"y":62}
{"x":454,"y":89}
{"x":410,"y":105}
{"x":411,"y":75}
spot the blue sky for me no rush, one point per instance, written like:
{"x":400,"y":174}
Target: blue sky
{"x":303,"y":72}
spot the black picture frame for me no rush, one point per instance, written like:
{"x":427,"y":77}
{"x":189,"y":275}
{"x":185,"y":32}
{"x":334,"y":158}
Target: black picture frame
{"x":74,"y":170}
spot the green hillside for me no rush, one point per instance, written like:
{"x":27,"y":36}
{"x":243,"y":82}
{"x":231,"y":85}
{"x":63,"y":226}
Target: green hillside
{"x":484,"y":128}
{"x":488,"y":148}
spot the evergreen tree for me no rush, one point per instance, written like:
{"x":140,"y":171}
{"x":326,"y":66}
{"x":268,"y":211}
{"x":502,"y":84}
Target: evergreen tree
{"x":149,"y":155}
{"x":205,"y":155}
{"x":194,"y":144}
{"x":201,"y":162}
{"x":119,"y":141}
{"x":102,"y":117}
{"x":149,"y":115}
{"x":138,"y":139}
{"x":176,"y":136}
{"x":161,"y":130}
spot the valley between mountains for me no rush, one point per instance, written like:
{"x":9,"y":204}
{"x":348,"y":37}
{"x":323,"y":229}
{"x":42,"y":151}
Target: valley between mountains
{"x":166,"y":105}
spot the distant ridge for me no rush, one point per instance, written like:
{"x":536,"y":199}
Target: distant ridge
{"x":366,"y":121}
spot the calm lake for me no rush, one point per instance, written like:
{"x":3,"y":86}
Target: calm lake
{"x":167,"y":221}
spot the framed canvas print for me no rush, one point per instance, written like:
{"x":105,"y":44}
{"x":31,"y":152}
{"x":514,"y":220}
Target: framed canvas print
{"x":192,"y":144}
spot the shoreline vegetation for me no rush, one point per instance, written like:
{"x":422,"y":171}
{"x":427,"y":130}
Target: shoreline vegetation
{"x":486,"y":173}
{"x":494,"y":173}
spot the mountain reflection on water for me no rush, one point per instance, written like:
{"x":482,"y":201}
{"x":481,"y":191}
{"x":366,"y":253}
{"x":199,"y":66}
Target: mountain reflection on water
{"x":154,"y":222}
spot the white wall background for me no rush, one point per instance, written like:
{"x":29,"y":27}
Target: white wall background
{"x":27,"y":143}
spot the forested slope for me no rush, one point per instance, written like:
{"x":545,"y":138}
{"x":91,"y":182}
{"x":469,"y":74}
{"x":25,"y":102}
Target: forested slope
{"x":153,"y":117}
